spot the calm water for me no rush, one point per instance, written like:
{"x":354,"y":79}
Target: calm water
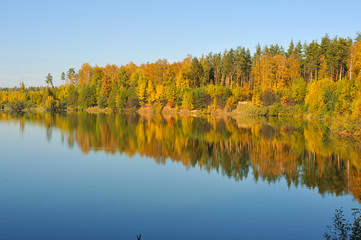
{"x":108,"y":176}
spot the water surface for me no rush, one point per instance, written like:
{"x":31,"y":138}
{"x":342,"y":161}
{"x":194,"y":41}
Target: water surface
{"x":113,"y":176}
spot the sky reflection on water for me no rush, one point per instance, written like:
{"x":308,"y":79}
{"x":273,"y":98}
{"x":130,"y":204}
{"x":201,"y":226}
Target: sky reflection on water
{"x":50,"y":190}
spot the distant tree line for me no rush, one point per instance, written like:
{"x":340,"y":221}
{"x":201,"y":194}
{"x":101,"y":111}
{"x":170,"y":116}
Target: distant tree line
{"x":321,"y":78}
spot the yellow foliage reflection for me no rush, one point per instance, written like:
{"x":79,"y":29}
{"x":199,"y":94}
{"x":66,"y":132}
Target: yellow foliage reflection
{"x":303,"y":153}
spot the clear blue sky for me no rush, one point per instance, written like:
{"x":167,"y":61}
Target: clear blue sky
{"x":41,"y":37}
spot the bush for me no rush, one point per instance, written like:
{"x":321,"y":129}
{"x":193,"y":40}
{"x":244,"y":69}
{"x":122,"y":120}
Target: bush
{"x":268,"y":98}
{"x":3,"y":104}
{"x":292,"y":111}
{"x":274,"y":109}
{"x":344,"y":229}
{"x":241,"y":93}
{"x":250,"y":109}
{"x":16,"y":106}
{"x":157,"y":107}
{"x":132,"y":103}
{"x":231,"y":103}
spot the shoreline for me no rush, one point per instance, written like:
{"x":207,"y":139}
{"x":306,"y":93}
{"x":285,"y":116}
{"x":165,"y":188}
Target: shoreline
{"x":219,"y":113}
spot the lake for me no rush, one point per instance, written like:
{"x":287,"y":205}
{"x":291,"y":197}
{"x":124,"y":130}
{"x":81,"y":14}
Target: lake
{"x":113,"y":176}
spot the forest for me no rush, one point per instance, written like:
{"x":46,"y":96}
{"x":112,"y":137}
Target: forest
{"x":321,"y":79}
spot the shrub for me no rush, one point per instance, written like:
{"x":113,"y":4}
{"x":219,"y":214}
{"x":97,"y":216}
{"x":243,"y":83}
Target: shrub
{"x":157,"y":107}
{"x":231,"y":103}
{"x":3,"y":104}
{"x":274,"y":109}
{"x":344,"y":229}
{"x":268,"y":98}
{"x":16,"y":106}
{"x":132,"y":103}
{"x":250,"y":109}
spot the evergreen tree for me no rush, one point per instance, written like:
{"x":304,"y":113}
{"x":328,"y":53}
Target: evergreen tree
{"x":49,"y":80}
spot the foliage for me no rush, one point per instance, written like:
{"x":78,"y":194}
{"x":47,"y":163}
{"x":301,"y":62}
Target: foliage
{"x":16,"y":106}
{"x":268,"y":97}
{"x":346,"y":124}
{"x":215,"y":91}
{"x":250,"y":109}
{"x":274,"y":109}
{"x":343,"y":229}
{"x":318,"y":95}
{"x":102,"y":101}
{"x":299,"y":90}
{"x":187,"y":102}
{"x":87,"y":97}
{"x":321,"y":79}
{"x":200,"y":98}
{"x":3,"y":104}
{"x":231,"y":103}
{"x":121,"y":98}
{"x":49,"y":80}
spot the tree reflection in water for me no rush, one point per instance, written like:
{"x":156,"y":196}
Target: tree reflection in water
{"x":303,"y":153}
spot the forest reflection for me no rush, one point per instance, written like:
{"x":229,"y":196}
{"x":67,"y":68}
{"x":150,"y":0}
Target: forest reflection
{"x":304,"y":153}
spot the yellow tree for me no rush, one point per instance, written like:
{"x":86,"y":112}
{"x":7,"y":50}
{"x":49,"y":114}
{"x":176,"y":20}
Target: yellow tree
{"x":150,"y":92}
{"x":154,"y":71}
{"x":267,"y":75}
{"x":355,"y":65}
{"x":85,"y":74}
{"x":280,"y":70}
{"x":141,"y":92}
{"x":160,"y":93}
{"x":109,"y":79}
{"x":137,"y":79}
{"x":169,"y":75}
{"x":293,"y":67}
{"x":130,"y":68}
{"x":182,"y":78}
{"x":257,"y":72}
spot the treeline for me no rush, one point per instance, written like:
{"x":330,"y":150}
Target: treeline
{"x":301,"y":152}
{"x":321,"y":78}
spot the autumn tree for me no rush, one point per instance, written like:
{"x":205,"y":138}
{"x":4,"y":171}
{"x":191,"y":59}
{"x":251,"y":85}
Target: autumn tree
{"x":85,"y":74}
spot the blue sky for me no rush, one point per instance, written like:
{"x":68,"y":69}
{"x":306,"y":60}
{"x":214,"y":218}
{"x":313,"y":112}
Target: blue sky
{"x":41,"y":37}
